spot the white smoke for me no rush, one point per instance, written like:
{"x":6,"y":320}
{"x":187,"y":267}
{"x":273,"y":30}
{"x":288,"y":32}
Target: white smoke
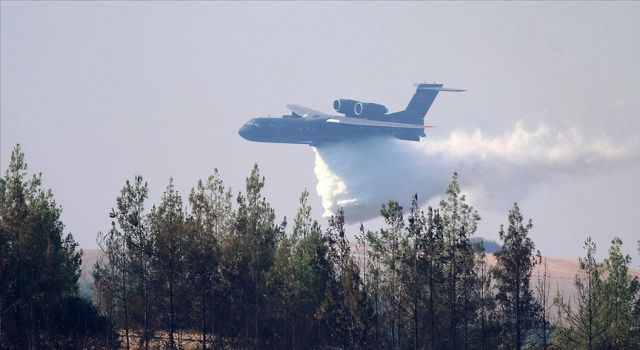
{"x":495,"y":170}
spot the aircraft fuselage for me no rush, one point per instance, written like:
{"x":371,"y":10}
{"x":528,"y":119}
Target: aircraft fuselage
{"x":314,"y":131}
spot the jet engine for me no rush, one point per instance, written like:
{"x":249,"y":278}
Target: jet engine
{"x":367,"y":109}
{"x":344,"y":106}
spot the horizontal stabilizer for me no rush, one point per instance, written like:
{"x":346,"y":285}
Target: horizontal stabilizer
{"x":436,"y":88}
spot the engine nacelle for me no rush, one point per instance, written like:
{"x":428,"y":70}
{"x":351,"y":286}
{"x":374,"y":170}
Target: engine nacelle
{"x":368,"y":109}
{"x":344,"y":106}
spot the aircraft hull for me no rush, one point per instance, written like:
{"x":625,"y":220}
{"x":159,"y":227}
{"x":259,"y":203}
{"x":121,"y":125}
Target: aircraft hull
{"x":315,"y":131}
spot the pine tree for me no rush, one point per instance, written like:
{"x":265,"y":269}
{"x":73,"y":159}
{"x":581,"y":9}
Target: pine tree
{"x":40,"y":305}
{"x":255,"y":226}
{"x":106,"y":287}
{"x":374,"y":288}
{"x":433,"y":263}
{"x":220,"y":221}
{"x":113,"y":273}
{"x":311,"y":275}
{"x":344,"y":304}
{"x":545,"y":327}
{"x":460,"y":222}
{"x":131,"y":219}
{"x":14,"y":233}
{"x":123,"y":271}
{"x":622,"y":291}
{"x":415,"y":232}
{"x":282,"y":292}
{"x":487,"y":325}
{"x":242,"y":281}
{"x":515,"y":262}
{"x":210,"y":214}
{"x":588,"y":320}
{"x":168,"y":225}
{"x":354,"y":304}
{"x":386,"y":251}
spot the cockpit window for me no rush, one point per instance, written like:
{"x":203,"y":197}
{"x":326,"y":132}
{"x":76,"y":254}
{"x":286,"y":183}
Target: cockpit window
{"x":252,"y":122}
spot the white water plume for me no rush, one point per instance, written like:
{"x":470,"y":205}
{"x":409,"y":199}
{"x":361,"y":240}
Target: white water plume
{"x":361,"y":175}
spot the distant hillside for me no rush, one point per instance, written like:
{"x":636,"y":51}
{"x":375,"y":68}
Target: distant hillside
{"x":561,"y":271}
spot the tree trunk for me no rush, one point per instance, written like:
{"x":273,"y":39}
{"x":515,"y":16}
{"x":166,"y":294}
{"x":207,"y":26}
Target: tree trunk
{"x":18,"y":312}
{"x":452,"y":299}
{"x":213,"y":318}
{"x":1,"y":313}
{"x":482,"y":306}
{"x":465,"y":294}
{"x":203,"y":293}
{"x":432,"y":320}
{"x":124,"y":302}
{"x":171,"y":339}
{"x":146,"y":302}
{"x":518,"y":311}
{"x":415,"y":294}
{"x":204,"y":324}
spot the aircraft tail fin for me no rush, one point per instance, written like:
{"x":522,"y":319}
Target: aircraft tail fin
{"x":420,"y":103}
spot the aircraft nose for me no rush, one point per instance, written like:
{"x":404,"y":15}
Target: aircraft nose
{"x":243,"y":131}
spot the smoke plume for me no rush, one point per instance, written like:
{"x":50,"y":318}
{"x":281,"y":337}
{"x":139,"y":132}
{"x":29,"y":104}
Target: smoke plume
{"x":496,"y":170}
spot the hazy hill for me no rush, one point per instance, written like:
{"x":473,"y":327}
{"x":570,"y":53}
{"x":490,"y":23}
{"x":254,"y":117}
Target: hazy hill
{"x":562,"y":271}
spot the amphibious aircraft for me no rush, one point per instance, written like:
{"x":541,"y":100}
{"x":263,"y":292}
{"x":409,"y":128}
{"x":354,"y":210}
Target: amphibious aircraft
{"x":358,"y":120}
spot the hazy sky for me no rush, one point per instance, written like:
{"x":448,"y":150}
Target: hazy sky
{"x":99,"y":92}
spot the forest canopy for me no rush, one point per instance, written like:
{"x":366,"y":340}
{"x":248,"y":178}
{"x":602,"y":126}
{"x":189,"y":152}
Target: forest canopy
{"x":218,"y":270}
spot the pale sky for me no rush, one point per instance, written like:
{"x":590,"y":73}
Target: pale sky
{"x":97,"y":92}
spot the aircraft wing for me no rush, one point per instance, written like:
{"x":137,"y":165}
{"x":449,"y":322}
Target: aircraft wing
{"x":369,"y":122}
{"x":307,"y":112}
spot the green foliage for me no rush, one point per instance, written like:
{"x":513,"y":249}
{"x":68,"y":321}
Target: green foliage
{"x":587,"y":319}
{"x":39,"y":270}
{"x":460,"y":221}
{"x":622,"y":292}
{"x":386,"y":249}
{"x":515,"y":262}
{"x":603,"y":314}
{"x":209,"y":273}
